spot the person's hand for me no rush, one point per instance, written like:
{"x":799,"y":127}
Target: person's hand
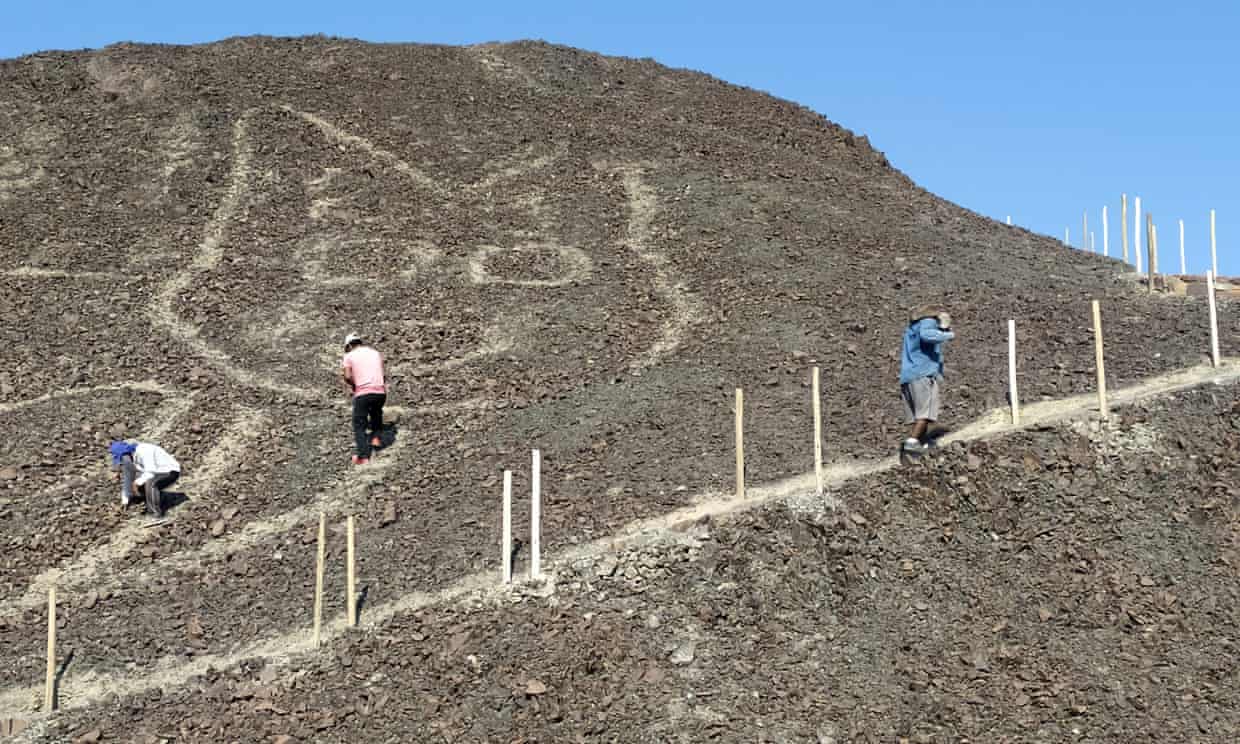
{"x":945,"y":321}
{"x":116,"y":475}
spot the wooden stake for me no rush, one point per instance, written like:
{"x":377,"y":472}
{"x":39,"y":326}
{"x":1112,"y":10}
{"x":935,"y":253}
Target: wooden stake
{"x":351,"y":577}
{"x":536,"y":515}
{"x":506,"y":539}
{"x":1123,"y":223}
{"x":318,"y":578}
{"x":1136,"y":234}
{"x":1154,"y":251}
{"x":1213,"y":247}
{"x":1103,"y":409}
{"x":1085,"y":230}
{"x":1009,"y":219}
{"x":49,"y":693}
{"x":817,"y":432}
{"x":1214,"y":356}
{"x":1065,"y":238}
{"x":1149,"y":246}
{"x":1012,"y":373}
{"x":1183,"y":263}
{"x":740,"y":443}
{"x":1106,"y":244}
{"x":1092,"y":248}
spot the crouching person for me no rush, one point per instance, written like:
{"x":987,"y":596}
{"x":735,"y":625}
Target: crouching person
{"x":145,"y":466}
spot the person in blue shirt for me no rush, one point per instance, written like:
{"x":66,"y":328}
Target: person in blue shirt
{"x":921,"y":371}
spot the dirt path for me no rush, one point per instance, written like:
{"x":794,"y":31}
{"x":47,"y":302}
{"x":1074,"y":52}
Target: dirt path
{"x":87,"y":689}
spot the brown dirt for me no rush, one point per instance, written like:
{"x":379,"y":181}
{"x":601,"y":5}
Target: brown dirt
{"x":216,"y":218}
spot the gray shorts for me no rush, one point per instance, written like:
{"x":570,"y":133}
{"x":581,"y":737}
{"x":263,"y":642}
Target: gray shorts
{"x":921,"y":399}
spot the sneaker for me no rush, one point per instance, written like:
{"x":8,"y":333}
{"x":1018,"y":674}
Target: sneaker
{"x":375,"y":441}
{"x":360,"y":460}
{"x":913,"y":445}
{"x":124,"y":500}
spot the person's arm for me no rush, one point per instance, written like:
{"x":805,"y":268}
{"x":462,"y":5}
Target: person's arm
{"x":346,"y":375}
{"x":124,"y":472}
{"x":145,"y":472}
{"x":934,"y":335}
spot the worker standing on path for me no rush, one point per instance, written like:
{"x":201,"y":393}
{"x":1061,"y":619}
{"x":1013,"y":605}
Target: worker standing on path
{"x":362,"y":372}
{"x":921,"y":372}
{"x":146,"y":466}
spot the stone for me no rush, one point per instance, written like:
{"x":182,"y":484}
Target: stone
{"x":684,"y":654}
{"x":8,"y":473}
{"x":606,"y":566}
{"x":535,"y":687}
{"x":217,"y":528}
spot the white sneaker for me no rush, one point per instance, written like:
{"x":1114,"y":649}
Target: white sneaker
{"x":913,"y":444}
{"x":124,"y":500}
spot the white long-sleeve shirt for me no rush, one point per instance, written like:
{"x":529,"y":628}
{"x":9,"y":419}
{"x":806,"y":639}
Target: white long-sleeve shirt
{"x":152,"y":460}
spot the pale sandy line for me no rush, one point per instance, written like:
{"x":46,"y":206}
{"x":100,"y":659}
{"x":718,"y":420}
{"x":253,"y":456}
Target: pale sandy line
{"x":340,"y":136}
{"x":37,"y":273}
{"x":142,"y":386}
{"x":686,"y":308}
{"x":163,"y":312}
{"x":282,"y":649}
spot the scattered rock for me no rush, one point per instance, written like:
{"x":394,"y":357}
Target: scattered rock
{"x":535,"y":687}
{"x":684,"y":653}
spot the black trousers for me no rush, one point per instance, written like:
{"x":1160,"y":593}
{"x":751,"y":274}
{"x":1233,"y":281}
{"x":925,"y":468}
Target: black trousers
{"x":152,"y":489}
{"x":155,"y":491}
{"x":367,"y":412}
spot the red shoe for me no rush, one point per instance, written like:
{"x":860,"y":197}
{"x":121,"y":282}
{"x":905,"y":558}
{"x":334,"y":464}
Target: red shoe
{"x":376,"y":442}
{"x":361,"y":460}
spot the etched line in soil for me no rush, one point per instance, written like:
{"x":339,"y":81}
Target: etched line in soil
{"x":142,"y":386}
{"x":686,"y":308}
{"x":32,"y":272}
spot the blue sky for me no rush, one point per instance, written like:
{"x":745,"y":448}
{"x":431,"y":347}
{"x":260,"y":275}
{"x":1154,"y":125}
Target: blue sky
{"x":1034,"y":110}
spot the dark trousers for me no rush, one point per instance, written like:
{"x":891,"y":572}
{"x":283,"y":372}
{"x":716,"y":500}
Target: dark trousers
{"x":367,"y":411}
{"x":155,"y":491}
{"x":152,"y":489}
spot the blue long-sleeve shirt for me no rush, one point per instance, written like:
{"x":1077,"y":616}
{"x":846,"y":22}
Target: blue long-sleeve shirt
{"x":922,"y":355}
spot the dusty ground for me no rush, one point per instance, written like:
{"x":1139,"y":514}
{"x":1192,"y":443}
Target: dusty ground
{"x":1077,"y":583}
{"x":553,"y":249}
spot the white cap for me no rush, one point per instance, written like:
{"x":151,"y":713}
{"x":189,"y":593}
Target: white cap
{"x":351,"y":338}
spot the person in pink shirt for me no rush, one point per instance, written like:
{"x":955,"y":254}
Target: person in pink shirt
{"x":362,"y":372}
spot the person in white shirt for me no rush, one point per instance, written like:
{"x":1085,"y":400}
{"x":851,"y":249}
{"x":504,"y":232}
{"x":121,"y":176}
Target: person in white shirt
{"x":146,"y":466}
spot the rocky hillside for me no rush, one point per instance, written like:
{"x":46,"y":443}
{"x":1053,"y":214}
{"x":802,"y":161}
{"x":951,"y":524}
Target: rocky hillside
{"x":553,"y":249}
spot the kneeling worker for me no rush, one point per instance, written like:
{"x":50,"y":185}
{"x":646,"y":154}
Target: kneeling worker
{"x":145,"y":466}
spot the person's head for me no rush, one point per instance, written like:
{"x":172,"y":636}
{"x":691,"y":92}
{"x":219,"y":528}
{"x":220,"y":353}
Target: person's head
{"x":937,"y":312}
{"x":119,"y":450}
{"x":352,"y":341}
